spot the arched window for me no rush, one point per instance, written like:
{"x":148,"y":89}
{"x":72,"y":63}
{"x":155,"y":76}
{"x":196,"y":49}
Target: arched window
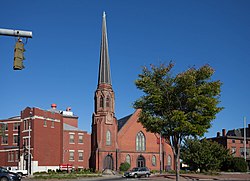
{"x":101,"y":101}
{"x":154,"y":160}
{"x":140,"y":142}
{"x":108,"y":138}
{"x":169,"y":161}
{"x":128,"y":160}
{"x":107,"y":101}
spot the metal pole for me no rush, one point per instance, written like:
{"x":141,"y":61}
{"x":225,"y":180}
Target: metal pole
{"x":160,"y":155}
{"x":29,"y":153}
{"x":17,"y":33}
{"x":245,"y":149}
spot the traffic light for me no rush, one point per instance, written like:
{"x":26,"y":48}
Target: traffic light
{"x":18,"y":55}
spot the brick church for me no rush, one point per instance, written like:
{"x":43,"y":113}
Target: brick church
{"x":52,"y":137}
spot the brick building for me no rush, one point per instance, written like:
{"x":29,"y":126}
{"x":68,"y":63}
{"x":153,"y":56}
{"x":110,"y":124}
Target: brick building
{"x":54,"y":136}
{"x":54,"y":139}
{"x":234,"y":141}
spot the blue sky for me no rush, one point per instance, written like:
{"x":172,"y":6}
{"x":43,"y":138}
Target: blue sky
{"x":62,"y":57}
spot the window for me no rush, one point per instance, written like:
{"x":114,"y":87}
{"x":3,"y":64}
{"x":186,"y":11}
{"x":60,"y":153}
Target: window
{"x":71,"y":138}
{"x":140,"y":142}
{"x":5,"y":139}
{"x":128,"y":160}
{"x":16,"y":125}
{"x":71,"y":156}
{"x":242,"y":151}
{"x":53,"y":123}
{"x":233,"y":141}
{"x":45,"y":123}
{"x":11,"y":156}
{"x":5,"y":127}
{"x":80,"y":138}
{"x":108,"y":138}
{"x":233,"y":150}
{"x":25,"y":124}
{"x":169,"y":160}
{"x":101,"y":101}
{"x":153,"y":160}
{"x":26,"y":142}
{"x":80,"y":156}
{"x":15,"y":139}
{"x":17,"y":156}
{"x":107,"y":101}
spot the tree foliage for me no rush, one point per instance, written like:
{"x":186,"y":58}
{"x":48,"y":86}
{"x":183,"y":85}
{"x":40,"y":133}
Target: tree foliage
{"x":204,"y":155}
{"x":179,"y":105}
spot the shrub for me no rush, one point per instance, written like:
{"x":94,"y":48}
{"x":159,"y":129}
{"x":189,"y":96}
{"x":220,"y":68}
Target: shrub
{"x":124,"y":166}
{"x":235,"y":164}
{"x":240,"y":165}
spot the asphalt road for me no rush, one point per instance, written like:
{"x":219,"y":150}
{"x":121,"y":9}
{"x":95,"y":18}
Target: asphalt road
{"x":166,"y":177}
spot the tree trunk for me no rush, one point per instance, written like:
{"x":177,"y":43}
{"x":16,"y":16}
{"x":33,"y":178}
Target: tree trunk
{"x":176,"y":149}
{"x":177,"y":167}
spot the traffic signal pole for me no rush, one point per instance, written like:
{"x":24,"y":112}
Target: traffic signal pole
{"x":16,"y":33}
{"x":19,"y":46}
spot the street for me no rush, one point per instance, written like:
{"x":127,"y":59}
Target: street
{"x":221,"y":176}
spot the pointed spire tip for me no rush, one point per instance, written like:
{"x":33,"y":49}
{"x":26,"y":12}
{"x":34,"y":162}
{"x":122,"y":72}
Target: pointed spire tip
{"x":104,"y":14}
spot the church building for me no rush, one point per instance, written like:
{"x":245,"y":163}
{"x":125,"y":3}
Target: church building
{"x":125,"y":140}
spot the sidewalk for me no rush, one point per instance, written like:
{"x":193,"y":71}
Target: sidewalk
{"x":221,"y":176}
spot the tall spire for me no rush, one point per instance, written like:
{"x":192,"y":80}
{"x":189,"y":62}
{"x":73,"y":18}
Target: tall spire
{"x":104,"y":67}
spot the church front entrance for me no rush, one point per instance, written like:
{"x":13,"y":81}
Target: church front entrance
{"x":108,"y":163}
{"x":141,"y":161}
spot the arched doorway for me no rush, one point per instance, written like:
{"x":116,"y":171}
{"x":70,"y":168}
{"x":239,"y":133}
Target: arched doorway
{"x":108,"y":163}
{"x":141,"y":161}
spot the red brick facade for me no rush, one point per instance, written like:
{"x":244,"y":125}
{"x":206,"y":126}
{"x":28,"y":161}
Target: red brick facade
{"x":234,"y":141}
{"x":127,"y":146}
{"x":50,"y":143}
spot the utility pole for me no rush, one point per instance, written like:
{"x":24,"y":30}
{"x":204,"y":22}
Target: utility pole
{"x":160,"y":154}
{"x":245,"y":150}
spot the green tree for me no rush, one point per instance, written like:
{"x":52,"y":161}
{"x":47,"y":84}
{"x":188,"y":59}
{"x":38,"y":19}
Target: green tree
{"x":205,"y":155}
{"x":177,"y":106}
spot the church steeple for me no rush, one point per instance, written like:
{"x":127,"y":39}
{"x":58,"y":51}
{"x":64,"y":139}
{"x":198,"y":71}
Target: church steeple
{"x":104,"y":66}
{"x":104,"y":98}
{"x":104,"y":124}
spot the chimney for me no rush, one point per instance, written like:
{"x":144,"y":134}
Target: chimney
{"x":218,"y":134}
{"x":223,"y":132}
{"x":53,"y":106}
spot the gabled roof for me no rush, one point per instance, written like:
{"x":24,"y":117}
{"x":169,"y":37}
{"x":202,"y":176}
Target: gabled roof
{"x":123,"y":121}
{"x":238,"y":132}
